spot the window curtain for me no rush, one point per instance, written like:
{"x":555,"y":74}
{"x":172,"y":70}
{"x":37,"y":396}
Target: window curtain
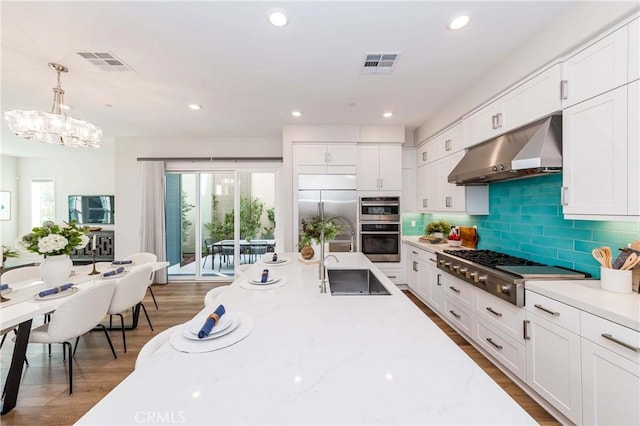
{"x":153,"y":239}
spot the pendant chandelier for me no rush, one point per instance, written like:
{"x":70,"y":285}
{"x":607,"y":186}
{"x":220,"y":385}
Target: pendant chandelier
{"x":54,"y":127}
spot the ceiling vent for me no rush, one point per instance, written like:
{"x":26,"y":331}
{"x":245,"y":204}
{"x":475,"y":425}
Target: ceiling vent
{"x":106,"y":61}
{"x":379,"y":63}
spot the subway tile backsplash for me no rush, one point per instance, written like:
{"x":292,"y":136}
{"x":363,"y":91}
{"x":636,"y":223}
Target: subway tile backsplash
{"x":525,"y":219}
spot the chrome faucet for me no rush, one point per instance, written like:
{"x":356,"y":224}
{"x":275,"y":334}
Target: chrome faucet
{"x":352,"y":230}
{"x":323,"y":271}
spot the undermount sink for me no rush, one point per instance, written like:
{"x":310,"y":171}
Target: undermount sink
{"x":355,"y":282}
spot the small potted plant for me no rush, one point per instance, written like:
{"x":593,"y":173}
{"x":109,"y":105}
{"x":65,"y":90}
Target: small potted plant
{"x":311,"y":230}
{"x":437,"y":228}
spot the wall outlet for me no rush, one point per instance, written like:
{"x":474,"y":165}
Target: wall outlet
{"x":413,"y":223}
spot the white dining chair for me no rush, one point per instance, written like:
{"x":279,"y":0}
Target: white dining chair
{"x":141,"y":258}
{"x":129,"y":293}
{"x":18,"y":278}
{"x":77,"y":315}
{"x":212,"y":294}
{"x":152,"y":346}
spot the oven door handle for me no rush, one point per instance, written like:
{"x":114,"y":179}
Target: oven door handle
{"x":379,"y":232}
{"x":379,"y":204}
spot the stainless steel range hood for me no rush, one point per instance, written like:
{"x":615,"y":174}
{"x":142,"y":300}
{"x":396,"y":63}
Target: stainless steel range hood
{"x":527,"y":151}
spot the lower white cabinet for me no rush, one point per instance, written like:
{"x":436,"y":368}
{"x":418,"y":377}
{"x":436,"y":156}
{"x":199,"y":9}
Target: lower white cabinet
{"x":610,"y":387}
{"x":436,"y":293}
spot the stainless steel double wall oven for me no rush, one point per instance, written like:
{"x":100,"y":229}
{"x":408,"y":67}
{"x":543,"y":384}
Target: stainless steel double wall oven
{"x":380,"y":230}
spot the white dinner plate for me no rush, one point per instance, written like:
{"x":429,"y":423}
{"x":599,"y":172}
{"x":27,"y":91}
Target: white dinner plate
{"x":65,"y":293}
{"x":195,"y":324}
{"x":234,"y":322}
{"x":182,"y":344}
{"x":258,"y":281}
{"x":111,"y":277}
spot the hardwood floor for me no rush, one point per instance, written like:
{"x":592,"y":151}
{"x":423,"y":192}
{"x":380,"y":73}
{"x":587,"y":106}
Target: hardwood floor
{"x":44,"y":394}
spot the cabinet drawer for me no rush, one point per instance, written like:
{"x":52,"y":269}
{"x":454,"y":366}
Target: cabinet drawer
{"x":508,"y":351}
{"x":459,"y":316}
{"x":458,"y":290}
{"x":619,"y":339}
{"x":422,"y":255}
{"x":556,"y":312}
{"x":500,"y":314}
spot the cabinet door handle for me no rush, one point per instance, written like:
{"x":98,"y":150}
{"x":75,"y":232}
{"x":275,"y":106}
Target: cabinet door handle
{"x":438,"y":280}
{"x":414,"y":252}
{"x":454,"y":314}
{"x":525,"y":331}
{"x":564,"y":89}
{"x":391,"y":276}
{"x":498,"y":314}
{"x":454,"y":289}
{"x":550,"y":312}
{"x":415,"y":266}
{"x":433,"y":260}
{"x":494,"y":344}
{"x":499,"y":120}
{"x":424,"y":156}
{"x":563,"y":196}
{"x":621,"y":343}
{"x":447,"y":145}
{"x":494,"y":122}
{"x":448,"y":201}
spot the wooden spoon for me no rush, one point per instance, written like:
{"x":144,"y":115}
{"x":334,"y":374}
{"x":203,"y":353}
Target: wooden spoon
{"x":631,"y":262}
{"x":608,"y":255}
{"x":600,"y":256}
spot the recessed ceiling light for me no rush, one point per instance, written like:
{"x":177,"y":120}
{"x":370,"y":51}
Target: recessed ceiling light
{"x":296,"y":113}
{"x":387,"y":114}
{"x":458,"y":21}
{"x":194,"y":107}
{"x":278,"y":19}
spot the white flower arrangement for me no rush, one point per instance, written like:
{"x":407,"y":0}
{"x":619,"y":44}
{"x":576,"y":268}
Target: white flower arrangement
{"x":51,"y":239}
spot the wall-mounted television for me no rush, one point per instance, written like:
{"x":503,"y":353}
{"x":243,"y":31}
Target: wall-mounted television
{"x":91,"y":209}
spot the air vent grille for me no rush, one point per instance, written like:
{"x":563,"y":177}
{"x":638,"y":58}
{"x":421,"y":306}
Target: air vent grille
{"x":379,"y":63}
{"x":106,"y":61}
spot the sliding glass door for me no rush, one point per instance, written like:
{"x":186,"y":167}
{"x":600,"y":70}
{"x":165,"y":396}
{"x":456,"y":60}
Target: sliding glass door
{"x":217,"y":221}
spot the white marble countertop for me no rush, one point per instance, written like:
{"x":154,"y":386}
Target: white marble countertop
{"x":413,"y":240}
{"x":587,"y":295}
{"x":315,"y":359}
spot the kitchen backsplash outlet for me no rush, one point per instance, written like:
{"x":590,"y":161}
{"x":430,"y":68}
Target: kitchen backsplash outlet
{"x":525,"y":219}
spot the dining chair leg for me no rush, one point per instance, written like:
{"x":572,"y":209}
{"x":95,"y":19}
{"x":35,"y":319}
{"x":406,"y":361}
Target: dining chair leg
{"x":3,"y":338}
{"x":113,"y":351}
{"x":153,"y":297}
{"x":124,"y":338}
{"x":66,"y":346}
{"x":75,"y":347}
{"x":146,"y":315}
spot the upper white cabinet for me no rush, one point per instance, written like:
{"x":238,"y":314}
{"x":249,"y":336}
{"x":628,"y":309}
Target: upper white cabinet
{"x":380,"y":167}
{"x":408,"y":201}
{"x":528,"y":101}
{"x":442,"y":144}
{"x":600,"y":67}
{"x":634,"y":50}
{"x":314,"y":158}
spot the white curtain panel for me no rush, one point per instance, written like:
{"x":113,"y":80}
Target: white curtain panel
{"x":152,"y":214}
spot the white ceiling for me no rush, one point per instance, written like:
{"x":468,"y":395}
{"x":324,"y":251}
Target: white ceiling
{"x":248,"y":75}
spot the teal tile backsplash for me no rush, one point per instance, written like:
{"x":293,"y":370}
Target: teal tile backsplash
{"x":525,"y":219}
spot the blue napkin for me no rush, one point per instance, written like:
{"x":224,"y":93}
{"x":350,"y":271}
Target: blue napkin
{"x":55,"y":290}
{"x":212,"y":320}
{"x":113,"y":272}
{"x":265,"y":276}
{"x":122,"y":262}
{"x":4,"y":287}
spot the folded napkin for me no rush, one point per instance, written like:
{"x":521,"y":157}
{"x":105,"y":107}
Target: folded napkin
{"x":4,"y":287}
{"x":122,"y":262}
{"x":275,"y":257}
{"x":211,"y":321}
{"x":265,"y":276}
{"x":113,"y":272}
{"x":55,"y":290}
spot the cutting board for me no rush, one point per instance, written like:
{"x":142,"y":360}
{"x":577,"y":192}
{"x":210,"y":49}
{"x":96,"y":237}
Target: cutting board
{"x":469,"y":236}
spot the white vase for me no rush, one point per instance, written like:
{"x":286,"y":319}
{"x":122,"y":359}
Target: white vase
{"x":316,"y":250}
{"x":55,"y":270}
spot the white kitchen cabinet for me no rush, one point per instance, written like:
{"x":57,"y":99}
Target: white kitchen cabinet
{"x":610,"y":372}
{"x":633,"y":149}
{"x":409,"y":194}
{"x":394,"y":271}
{"x":595,"y":158}
{"x":380,"y":167}
{"x":435,"y":284}
{"x":596,"y":69}
{"x":510,"y":352}
{"x":436,"y":194}
{"x":527,"y":101}
{"x":553,"y":354}
{"x":417,"y":273}
{"x":634,"y":50}
{"x":314,"y":158}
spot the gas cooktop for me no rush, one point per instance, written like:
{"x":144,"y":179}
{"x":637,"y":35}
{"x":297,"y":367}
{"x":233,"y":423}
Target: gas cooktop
{"x":491,"y":259}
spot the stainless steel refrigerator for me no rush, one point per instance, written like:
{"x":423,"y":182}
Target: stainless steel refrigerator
{"x":338,"y":193}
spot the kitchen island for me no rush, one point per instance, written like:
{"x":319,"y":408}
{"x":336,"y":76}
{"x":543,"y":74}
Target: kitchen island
{"x":314,"y":358}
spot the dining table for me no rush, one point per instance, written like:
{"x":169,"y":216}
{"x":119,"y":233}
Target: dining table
{"x":21,"y":304}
